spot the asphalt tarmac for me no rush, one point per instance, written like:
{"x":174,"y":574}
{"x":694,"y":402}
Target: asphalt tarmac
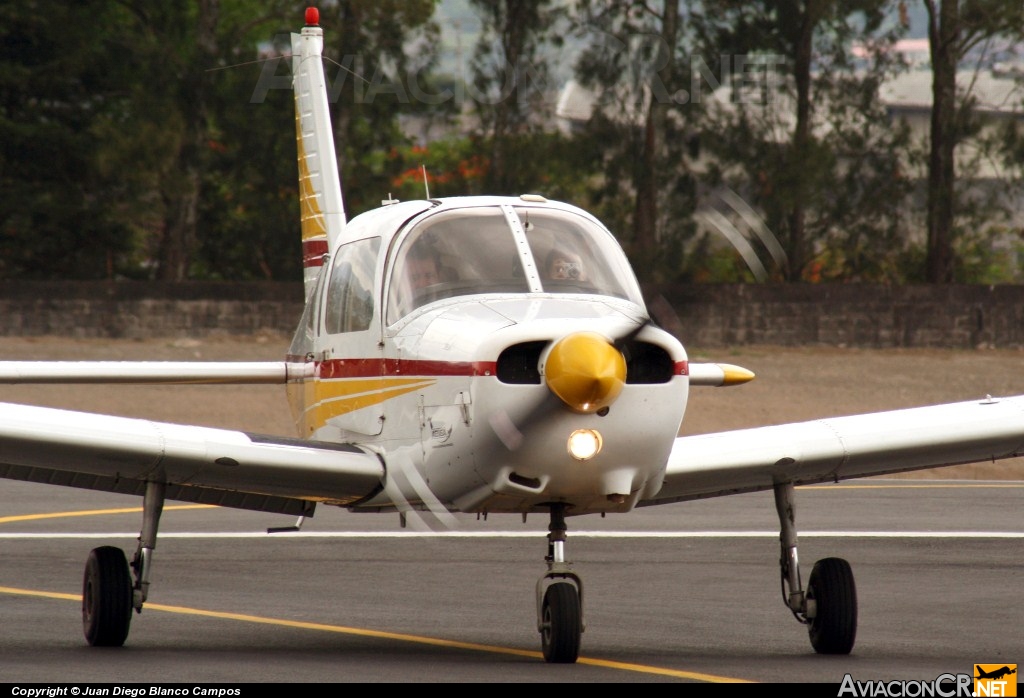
{"x":684,"y":592}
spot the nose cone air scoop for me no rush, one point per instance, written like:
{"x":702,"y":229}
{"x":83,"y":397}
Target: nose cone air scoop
{"x":585,"y":371}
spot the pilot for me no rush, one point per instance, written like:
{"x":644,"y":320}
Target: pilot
{"x":564,"y":266}
{"x":422,"y":267}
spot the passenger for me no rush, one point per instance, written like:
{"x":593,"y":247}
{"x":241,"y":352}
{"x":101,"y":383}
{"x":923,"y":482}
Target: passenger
{"x":564,"y":266}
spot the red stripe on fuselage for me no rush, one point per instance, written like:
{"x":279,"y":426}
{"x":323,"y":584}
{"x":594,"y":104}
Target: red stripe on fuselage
{"x":313,"y":252}
{"x":367,"y":368}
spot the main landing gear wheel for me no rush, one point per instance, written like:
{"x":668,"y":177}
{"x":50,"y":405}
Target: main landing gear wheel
{"x":106,"y":597}
{"x":830,"y":588}
{"x":561,"y":624}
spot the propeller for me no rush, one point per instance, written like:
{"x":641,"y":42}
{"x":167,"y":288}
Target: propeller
{"x":403,"y":476}
{"x":584,"y":372}
{"x":756,"y":227}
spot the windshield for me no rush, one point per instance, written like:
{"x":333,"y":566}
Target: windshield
{"x":482,"y":250}
{"x":574,"y":255}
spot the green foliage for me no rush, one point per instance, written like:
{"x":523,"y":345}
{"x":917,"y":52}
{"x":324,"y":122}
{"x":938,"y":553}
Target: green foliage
{"x":980,"y":261}
{"x":376,"y":50}
{"x":135,"y":136}
{"x":549,"y":164}
{"x":956,"y":31}
{"x":248,"y":225}
{"x":708,"y":262}
{"x":249,"y":218}
{"x":814,"y":150}
{"x":453,"y":167}
{"x":640,"y":64}
{"x":510,"y":79}
{"x":59,"y":85}
{"x":143,"y":112}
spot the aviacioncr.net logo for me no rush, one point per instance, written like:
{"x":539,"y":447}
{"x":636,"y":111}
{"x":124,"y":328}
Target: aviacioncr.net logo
{"x":995,"y":680}
{"x":943,"y":686}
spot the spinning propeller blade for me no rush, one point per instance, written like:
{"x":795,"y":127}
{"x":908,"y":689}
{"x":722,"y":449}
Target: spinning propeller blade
{"x":583,"y":372}
{"x":429,"y":513}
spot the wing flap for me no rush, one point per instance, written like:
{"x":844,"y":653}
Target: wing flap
{"x":39,"y":442}
{"x":879,"y":443}
{"x":181,"y":493}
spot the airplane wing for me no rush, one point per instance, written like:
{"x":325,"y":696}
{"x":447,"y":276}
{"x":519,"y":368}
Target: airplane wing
{"x":198,"y":464}
{"x":153,"y":372}
{"x":880,"y":443}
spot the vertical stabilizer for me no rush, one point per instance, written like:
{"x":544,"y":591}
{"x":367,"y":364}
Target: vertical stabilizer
{"x":320,"y":200}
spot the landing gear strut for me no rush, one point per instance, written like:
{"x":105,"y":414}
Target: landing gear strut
{"x":829,"y":605}
{"x":108,"y":593}
{"x":559,"y":598}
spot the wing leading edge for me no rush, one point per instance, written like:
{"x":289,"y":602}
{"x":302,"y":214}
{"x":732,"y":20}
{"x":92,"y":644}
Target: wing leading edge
{"x":153,"y":372}
{"x":880,"y":443}
{"x":198,"y":464}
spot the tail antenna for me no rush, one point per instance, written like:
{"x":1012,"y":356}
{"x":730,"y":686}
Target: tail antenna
{"x":426,"y":184}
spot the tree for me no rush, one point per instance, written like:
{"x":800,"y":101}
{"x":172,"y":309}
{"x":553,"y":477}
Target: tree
{"x":955,"y":28}
{"x":811,"y":145}
{"x":646,"y":120}
{"x":135,"y":146}
{"x":181,"y":186}
{"x":378,"y":57}
{"x":510,"y":77}
{"x":247,"y":224}
{"x":165,"y":146}
{"x":382,"y":52}
{"x":61,"y":204}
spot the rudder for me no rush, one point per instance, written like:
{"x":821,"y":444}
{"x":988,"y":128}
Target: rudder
{"x":320,"y":200}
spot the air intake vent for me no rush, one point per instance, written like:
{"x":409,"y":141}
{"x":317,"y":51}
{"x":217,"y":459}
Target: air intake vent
{"x":518,"y":363}
{"x":647,"y":363}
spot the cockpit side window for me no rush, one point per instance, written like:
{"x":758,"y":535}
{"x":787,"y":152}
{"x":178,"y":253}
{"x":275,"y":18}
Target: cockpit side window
{"x":302,"y":340}
{"x":350,"y":292}
{"x":454,"y":253}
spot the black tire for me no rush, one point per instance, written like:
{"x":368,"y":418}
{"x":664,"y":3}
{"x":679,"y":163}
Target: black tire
{"x":833,"y":629}
{"x":106,"y":597}
{"x":561,"y":624}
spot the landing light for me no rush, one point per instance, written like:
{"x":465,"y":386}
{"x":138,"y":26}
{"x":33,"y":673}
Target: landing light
{"x":584,"y":444}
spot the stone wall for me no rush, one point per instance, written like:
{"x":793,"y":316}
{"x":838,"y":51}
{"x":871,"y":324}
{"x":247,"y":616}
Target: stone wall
{"x":959,"y":316}
{"x":701,"y":315}
{"x":147,"y":309}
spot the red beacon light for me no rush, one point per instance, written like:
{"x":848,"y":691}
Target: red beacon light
{"x":312,"y":16}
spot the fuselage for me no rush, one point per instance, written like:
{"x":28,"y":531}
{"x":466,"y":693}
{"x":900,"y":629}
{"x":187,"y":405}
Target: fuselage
{"x":429,"y":333}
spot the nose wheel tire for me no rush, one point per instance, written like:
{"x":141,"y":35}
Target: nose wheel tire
{"x":833,"y":628}
{"x":106,"y":597}
{"x":561,"y":625}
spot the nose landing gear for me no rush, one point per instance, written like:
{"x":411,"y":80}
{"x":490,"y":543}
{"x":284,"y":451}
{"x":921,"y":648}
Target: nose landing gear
{"x":559,"y":598}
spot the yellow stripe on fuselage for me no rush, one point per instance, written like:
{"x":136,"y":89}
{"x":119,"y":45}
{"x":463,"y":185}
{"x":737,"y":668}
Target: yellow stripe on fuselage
{"x":336,"y":397}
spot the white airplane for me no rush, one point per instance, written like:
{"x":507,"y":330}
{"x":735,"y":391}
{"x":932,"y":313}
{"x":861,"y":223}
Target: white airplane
{"x":490,"y":355}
